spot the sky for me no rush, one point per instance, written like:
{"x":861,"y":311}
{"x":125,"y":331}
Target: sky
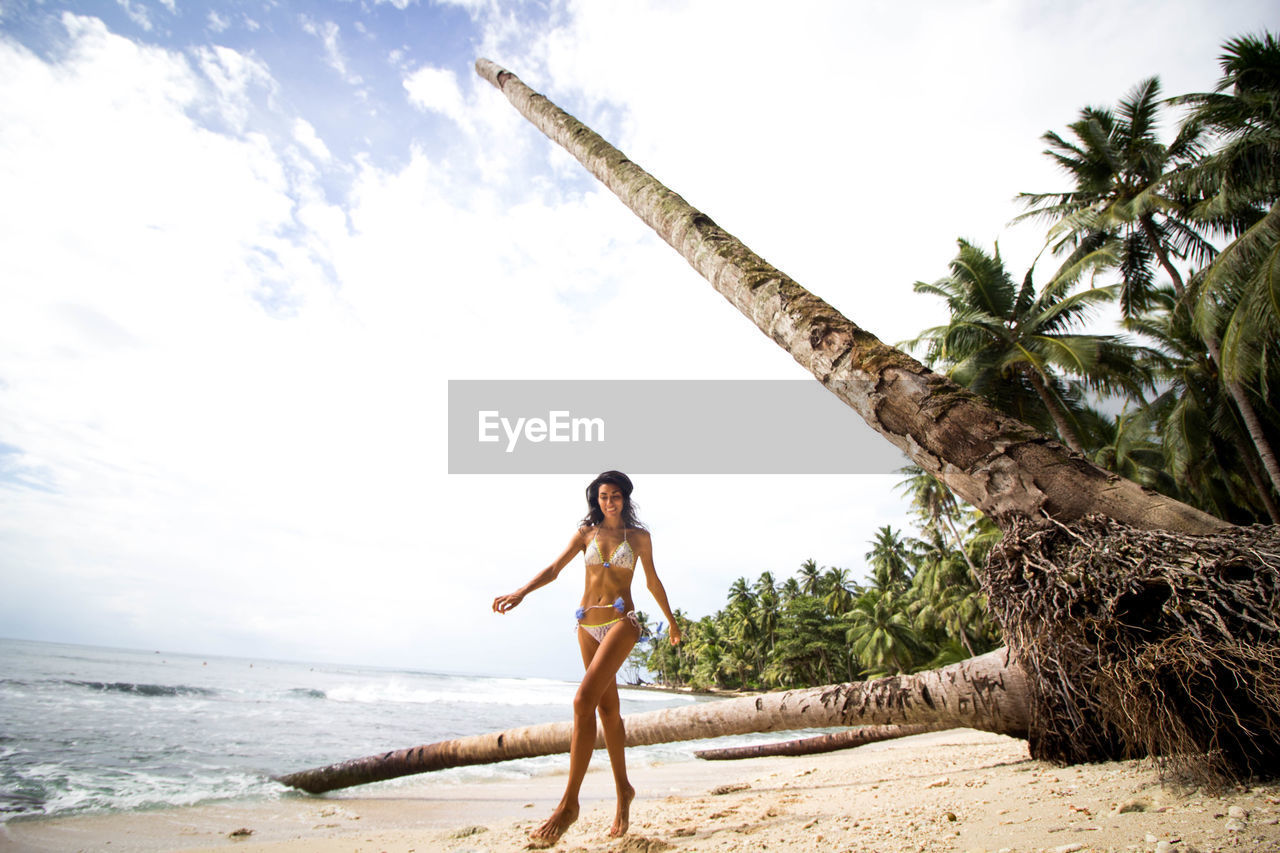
{"x":245,"y":246}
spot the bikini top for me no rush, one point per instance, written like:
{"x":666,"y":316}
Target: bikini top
{"x":622,"y":556}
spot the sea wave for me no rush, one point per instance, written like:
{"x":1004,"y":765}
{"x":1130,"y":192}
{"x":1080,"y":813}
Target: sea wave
{"x":51,"y":789}
{"x":143,"y":689}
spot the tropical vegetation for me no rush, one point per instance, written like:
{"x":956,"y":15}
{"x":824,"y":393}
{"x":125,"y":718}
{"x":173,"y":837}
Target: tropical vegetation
{"x":921,"y":608}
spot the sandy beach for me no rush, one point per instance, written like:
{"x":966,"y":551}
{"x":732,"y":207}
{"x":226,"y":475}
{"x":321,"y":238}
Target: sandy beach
{"x":947,"y":791}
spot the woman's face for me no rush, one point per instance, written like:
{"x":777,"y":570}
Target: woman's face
{"x":610,"y":498}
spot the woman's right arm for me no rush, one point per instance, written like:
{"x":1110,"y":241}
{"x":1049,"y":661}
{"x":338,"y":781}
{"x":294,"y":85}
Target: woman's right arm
{"x":503,"y":603}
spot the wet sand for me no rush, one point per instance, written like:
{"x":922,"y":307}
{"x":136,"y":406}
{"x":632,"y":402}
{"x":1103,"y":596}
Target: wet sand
{"x":945,"y":791}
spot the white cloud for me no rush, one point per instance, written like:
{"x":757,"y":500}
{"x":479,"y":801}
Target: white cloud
{"x":136,"y":12}
{"x":143,"y":377}
{"x":437,"y":89}
{"x":234,"y":76}
{"x":306,"y":136}
{"x":329,"y":34}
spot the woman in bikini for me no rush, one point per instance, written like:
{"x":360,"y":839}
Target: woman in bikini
{"x":611,"y":540}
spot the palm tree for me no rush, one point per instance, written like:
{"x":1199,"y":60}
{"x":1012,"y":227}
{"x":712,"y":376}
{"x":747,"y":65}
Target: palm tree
{"x":743,"y":628}
{"x":1127,"y":444}
{"x":881,"y":634}
{"x":810,"y":577}
{"x":1016,"y":347}
{"x":946,"y":599}
{"x":768,"y":606}
{"x":840,"y":591}
{"x":1205,"y":444}
{"x":668,"y":663}
{"x":888,"y":560}
{"x":1126,"y":186}
{"x":809,"y":650}
{"x":706,"y":648}
{"x":1119,"y":167}
{"x":934,"y":502}
{"x":1238,"y":299}
{"x":1242,"y":176}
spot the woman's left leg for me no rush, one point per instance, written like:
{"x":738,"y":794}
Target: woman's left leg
{"x":603,"y":660}
{"x":615,"y":741}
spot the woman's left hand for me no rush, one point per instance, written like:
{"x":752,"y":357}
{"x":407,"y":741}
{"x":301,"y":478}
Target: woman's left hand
{"x":674,"y":633}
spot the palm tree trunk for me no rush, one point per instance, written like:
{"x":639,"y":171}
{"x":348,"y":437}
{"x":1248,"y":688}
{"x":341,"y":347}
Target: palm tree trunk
{"x":819,"y":744}
{"x":1065,"y":431}
{"x":1248,"y":414}
{"x":1162,"y":255}
{"x":988,"y":693}
{"x":1255,"y":477}
{"x":995,"y":462}
{"x":955,"y":534}
{"x":1252,"y":423}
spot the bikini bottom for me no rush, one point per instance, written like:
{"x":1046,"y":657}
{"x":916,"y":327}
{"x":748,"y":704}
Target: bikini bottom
{"x":598,"y":632}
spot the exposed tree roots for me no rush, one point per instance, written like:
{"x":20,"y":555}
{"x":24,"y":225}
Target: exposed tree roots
{"x":1146,"y":643}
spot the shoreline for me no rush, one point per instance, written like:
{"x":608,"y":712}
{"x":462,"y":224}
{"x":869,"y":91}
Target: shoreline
{"x":957,"y":790}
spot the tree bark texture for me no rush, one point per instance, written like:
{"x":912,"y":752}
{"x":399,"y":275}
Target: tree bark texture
{"x":989,"y":692}
{"x":819,"y":744}
{"x":995,"y":462}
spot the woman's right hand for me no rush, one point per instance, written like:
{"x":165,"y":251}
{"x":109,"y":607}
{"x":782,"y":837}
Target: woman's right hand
{"x":503,"y":603}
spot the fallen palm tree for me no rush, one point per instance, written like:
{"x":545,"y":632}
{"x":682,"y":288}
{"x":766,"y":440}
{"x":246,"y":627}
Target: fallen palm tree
{"x":1137,"y":625}
{"x":986,"y":692}
{"x":820,"y":743}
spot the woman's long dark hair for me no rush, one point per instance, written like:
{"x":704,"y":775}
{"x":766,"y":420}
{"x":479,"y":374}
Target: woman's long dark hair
{"x":595,"y":515}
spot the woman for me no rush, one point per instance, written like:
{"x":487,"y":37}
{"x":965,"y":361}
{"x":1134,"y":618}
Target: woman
{"x":612,"y":540}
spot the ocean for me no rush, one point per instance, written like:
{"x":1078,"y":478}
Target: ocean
{"x":86,"y":729}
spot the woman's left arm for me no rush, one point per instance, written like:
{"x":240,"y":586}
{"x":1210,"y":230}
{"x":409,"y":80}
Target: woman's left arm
{"x":654,"y":584}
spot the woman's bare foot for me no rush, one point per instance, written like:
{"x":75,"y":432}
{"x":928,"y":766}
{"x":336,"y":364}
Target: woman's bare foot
{"x":622,"y":820}
{"x":554,"y":827}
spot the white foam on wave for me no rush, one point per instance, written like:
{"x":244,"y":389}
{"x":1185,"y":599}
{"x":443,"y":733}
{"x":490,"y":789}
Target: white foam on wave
{"x":67,"y":790}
